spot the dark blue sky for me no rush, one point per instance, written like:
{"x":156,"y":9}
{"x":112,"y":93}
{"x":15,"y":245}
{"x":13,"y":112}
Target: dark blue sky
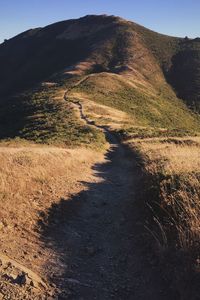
{"x":173,"y":17}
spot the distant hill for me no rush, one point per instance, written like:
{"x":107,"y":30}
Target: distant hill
{"x":147,"y":70}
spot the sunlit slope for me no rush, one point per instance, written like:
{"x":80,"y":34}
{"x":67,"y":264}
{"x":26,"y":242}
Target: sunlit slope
{"x":146,"y":105}
{"x":94,"y":44}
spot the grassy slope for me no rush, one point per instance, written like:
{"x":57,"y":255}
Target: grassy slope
{"x":43,"y":116}
{"x":150,"y":109}
{"x":179,"y":60}
{"x":115,"y":43}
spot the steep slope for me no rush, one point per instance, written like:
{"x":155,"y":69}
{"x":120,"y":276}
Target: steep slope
{"x":100,"y":43}
{"x":143,"y":66}
{"x":145,"y":106}
{"x":185,"y":75}
{"x":42,"y":115}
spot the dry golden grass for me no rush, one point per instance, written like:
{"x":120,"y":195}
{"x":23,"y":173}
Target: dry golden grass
{"x":173,"y":165}
{"x":173,"y":158}
{"x":147,"y":107}
{"x":183,"y":201}
{"x":28,"y":172}
{"x":32,"y":178}
{"x":101,"y":114}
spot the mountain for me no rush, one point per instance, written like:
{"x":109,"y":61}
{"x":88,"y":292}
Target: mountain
{"x":126,"y":66}
{"x":103,"y":43}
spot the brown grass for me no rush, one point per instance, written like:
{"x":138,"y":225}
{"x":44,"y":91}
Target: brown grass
{"x":31,"y":180}
{"x":101,"y":114}
{"x":172,"y":158}
{"x":174,"y":164}
{"x":171,"y":197}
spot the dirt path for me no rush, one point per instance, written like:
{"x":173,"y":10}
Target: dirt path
{"x":97,"y":236}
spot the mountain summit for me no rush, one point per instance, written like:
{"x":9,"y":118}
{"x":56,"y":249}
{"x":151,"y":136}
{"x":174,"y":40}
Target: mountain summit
{"x":94,"y":44}
{"x":106,"y":60}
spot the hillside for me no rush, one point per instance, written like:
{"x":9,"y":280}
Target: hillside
{"x":146,"y":107}
{"x":101,"y":43}
{"x":130,"y":68}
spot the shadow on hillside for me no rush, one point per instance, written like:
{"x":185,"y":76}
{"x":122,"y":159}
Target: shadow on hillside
{"x":100,"y":249}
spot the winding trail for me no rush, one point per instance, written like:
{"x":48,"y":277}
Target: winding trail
{"x":98,"y":235}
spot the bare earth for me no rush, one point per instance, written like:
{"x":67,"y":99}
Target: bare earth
{"x":98,"y":236}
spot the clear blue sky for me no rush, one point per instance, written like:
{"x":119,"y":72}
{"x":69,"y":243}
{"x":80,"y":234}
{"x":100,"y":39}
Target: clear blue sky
{"x":173,"y":17}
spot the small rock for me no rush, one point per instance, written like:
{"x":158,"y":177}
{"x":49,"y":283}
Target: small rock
{"x":21,"y":279}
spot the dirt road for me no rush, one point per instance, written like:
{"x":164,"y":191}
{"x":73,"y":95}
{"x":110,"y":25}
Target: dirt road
{"x":98,"y":236}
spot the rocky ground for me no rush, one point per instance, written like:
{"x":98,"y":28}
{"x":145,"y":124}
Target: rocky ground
{"x":17,"y":282}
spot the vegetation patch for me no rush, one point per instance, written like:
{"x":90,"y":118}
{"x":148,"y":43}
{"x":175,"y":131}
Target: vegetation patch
{"x":163,"y":111}
{"x":128,"y":133}
{"x":43,"y":116}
